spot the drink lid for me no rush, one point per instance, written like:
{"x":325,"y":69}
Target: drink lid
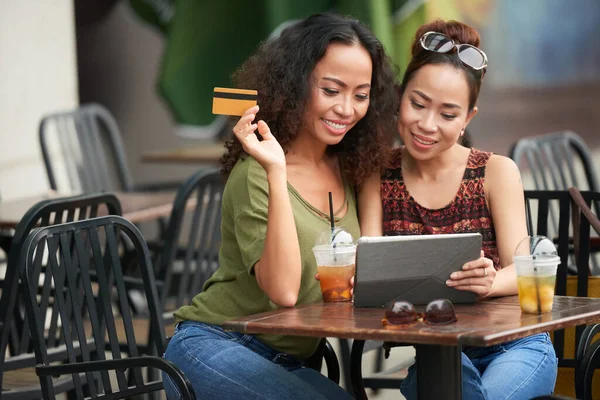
{"x":334,"y":238}
{"x":538,"y":249}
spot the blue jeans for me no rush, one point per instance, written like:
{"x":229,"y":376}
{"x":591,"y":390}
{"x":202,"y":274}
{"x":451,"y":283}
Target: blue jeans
{"x":516,"y":370}
{"x":229,"y":365}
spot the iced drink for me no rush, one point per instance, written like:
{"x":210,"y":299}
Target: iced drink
{"x":335,"y":282}
{"x":336,"y":268}
{"x":536,"y":279}
{"x":533,"y":288}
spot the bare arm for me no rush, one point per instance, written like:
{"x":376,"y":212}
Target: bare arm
{"x":370,"y":212}
{"x":504,"y":192}
{"x":279,"y":270}
{"x":507,"y":205}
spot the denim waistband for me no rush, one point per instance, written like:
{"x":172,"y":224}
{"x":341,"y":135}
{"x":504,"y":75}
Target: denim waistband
{"x":475,"y":352}
{"x":247,"y":340}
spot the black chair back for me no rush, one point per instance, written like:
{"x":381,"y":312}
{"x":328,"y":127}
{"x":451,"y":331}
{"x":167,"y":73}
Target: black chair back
{"x":584,"y":220}
{"x":192,"y":240}
{"x":89,"y":323}
{"x":585,"y":224}
{"x":85,"y":146}
{"x":538,"y":204}
{"x":15,"y":346}
{"x":572,"y":243}
{"x":556,"y":161}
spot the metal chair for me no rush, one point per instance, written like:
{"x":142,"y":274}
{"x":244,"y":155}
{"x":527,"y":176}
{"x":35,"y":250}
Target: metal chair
{"x":89,"y":325}
{"x":85,"y":146}
{"x":588,"y":349}
{"x":193,"y":237}
{"x":83,"y":152}
{"x":15,"y":344}
{"x":556,"y":161}
{"x":569,"y":344}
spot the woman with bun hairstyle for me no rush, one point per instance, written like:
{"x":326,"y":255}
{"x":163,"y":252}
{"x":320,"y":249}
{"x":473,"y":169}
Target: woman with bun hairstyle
{"x":433,"y":185}
{"x":326,"y":103}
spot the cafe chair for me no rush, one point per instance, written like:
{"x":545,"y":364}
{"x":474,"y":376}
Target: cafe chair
{"x":325,"y":352}
{"x":585,"y":387}
{"x":89,"y":320}
{"x":83,"y":152}
{"x":190,"y":254}
{"x":17,"y":380}
{"x":556,"y":161}
{"x":85,"y":146}
{"x":539,"y":204}
{"x":585,"y":221}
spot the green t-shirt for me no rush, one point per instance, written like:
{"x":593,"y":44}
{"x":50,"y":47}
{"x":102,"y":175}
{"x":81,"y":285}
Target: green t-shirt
{"x":233,"y":291}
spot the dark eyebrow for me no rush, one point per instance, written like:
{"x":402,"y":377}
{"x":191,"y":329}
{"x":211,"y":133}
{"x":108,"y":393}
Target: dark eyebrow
{"x":342,"y":84}
{"x":447,"y":105}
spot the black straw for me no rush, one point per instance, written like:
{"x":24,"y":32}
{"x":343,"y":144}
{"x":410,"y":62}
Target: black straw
{"x":331,"y":215}
{"x":332,"y":224}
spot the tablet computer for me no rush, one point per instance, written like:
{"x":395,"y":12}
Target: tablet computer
{"x":413,"y":268}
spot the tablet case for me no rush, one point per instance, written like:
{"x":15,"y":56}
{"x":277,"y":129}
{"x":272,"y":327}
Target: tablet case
{"x":412,"y":268}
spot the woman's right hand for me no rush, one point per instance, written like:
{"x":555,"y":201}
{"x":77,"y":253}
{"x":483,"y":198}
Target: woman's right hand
{"x":268,"y":152}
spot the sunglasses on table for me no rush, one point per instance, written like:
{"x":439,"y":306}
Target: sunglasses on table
{"x":400,"y":313}
{"x":468,"y":54}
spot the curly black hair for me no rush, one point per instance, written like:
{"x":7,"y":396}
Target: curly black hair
{"x":280,"y":70}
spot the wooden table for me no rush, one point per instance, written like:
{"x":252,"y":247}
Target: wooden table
{"x":209,"y":153}
{"x":136,"y":206}
{"x":438,"y":348}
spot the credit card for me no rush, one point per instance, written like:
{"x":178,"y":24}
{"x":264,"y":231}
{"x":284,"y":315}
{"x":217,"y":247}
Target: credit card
{"x":228,"y":101}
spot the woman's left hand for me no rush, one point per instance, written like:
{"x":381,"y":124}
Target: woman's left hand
{"x":476,"y":276}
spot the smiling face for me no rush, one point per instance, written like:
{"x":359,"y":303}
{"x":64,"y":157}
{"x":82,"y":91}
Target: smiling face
{"x":434,"y":110}
{"x":339,"y":93}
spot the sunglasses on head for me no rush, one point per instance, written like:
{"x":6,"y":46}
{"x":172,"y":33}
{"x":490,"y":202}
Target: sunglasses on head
{"x":468,"y":54}
{"x":400,"y":313}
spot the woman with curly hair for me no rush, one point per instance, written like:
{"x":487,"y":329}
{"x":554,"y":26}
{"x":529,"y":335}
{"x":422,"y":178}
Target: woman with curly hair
{"x":433,"y":185}
{"x":326,"y":103}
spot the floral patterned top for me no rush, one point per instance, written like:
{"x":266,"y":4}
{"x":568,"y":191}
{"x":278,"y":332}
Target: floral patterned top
{"x":467,"y":213}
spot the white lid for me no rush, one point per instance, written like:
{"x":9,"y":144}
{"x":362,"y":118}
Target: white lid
{"x":334,"y":238}
{"x":537,"y":248}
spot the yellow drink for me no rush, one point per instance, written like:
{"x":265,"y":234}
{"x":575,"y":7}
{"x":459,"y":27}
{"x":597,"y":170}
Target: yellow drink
{"x":532,"y":288}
